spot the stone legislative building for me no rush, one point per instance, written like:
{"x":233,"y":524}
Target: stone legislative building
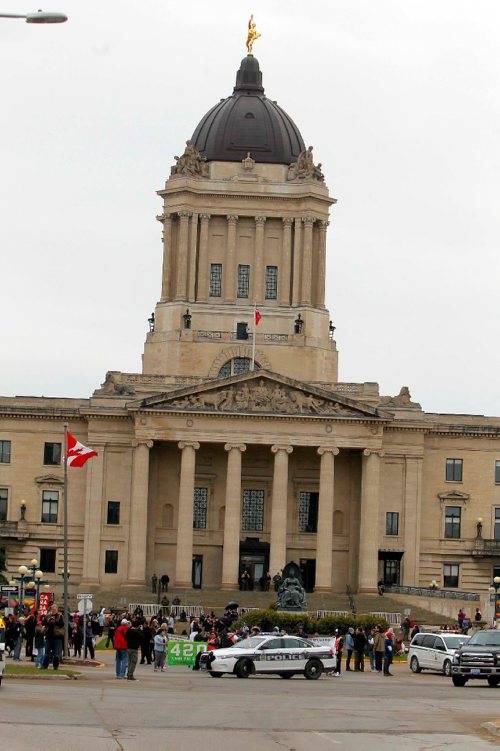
{"x":237,"y":447}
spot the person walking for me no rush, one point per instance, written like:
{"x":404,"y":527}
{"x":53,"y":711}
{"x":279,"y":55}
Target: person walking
{"x":378,"y":648}
{"x":54,"y":637}
{"x":371,"y":649}
{"x":349,"y":643}
{"x":121,"y":649}
{"x":89,"y":639}
{"x":388,"y":651}
{"x":134,"y":640}
{"x":160,"y":644}
{"x":359,"y":649}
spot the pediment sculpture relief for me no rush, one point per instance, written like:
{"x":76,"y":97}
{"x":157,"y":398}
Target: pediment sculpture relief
{"x":260,"y":396}
{"x":403,"y":399}
{"x":304,"y":168}
{"x":191,"y":163}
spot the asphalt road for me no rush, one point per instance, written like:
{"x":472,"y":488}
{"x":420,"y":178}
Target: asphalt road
{"x":183,"y":709}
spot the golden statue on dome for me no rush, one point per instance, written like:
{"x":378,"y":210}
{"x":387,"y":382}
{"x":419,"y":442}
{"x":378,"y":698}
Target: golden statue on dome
{"x":252,"y":35}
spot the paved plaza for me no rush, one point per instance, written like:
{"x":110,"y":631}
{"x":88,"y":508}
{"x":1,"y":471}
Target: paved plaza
{"x":184,"y":709}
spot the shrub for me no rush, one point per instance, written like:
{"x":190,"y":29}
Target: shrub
{"x":267,"y":619}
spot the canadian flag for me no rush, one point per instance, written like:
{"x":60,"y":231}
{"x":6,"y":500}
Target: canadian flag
{"x":258,"y":316}
{"x":77,"y":452}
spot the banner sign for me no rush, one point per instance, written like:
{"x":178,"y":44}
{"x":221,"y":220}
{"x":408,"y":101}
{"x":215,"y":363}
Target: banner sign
{"x":184,"y":652}
{"x":43,"y":604}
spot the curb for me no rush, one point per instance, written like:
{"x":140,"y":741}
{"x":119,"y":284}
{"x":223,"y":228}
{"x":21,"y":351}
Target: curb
{"x":49,"y":677}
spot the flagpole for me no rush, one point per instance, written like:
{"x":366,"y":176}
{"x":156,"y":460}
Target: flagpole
{"x":252,"y":364}
{"x":65,"y":542}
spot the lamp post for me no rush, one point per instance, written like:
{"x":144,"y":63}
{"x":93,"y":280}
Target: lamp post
{"x":38,"y":17}
{"x":23,"y":571}
{"x":495,"y":587}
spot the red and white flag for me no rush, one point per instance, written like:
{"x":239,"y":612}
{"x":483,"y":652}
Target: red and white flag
{"x":257,"y":317}
{"x":78,"y":453}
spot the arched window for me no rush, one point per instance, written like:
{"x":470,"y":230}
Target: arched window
{"x":167,"y":517}
{"x":236,"y":366}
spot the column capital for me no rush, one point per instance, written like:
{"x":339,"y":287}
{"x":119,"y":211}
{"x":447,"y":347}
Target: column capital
{"x":374,"y":452}
{"x":241,"y":446}
{"x":323,"y":225}
{"x":308,"y":219}
{"x":287,"y":221}
{"x":280,"y":447}
{"x":147,"y":443}
{"x":260,"y":220}
{"x":184,"y":215}
{"x":189,"y":444}
{"x":232,"y":218}
{"x":163,"y":217}
{"x":328,"y":450}
{"x":205,"y":217}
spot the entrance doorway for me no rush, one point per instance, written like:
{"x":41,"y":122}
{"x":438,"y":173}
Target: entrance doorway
{"x":254,"y":558}
{"x":308,"y":571}
{"x":197,"y":571}
{"x":390,"y":566}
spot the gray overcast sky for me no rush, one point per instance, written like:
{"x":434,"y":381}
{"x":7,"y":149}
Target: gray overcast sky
{"x":398,"y":97}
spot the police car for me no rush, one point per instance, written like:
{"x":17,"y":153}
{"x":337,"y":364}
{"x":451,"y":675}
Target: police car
{"x":282,"y":655}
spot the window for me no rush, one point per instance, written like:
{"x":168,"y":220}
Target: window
{"x":48,"y":560}
{"x":113,"y":512}
{"x":308,"y":511}
{"x":253,"y":510}
{"x":200,"y":508}
{"x":450,"y":575}
{"x":454,"y":469}
{"x":215,"y":279}
{"x":52,"y":453}
{"x":271,"y":282}
{"x":237,"y":366}
{"x":391,"y":571}
{"x":243,"y":281}
{"x":496,"y":525}
{"x":4,"y":500}
{"x":4,"y":452}
{"x":392,"y":523}
{"x":452,"y":520}
{"x":497,"y":472}
{"x":111,"y":562}
{"x":50,"y":503}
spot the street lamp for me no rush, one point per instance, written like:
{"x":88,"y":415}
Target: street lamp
{"x":22,"y":571}
{"x":38,"y":17}
{"x":495,"y":587}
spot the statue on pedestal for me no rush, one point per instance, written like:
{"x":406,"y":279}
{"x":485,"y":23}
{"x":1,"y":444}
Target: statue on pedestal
{"x":291,"y":593}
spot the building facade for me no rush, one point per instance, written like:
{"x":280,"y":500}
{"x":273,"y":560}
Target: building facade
{"x":237,"y":447}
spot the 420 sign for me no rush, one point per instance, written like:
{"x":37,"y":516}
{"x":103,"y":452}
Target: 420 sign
{"x":184,"y":652}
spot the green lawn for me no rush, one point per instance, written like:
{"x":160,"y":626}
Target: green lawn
{"x":101,"y":645}
{"x":11,"y":669}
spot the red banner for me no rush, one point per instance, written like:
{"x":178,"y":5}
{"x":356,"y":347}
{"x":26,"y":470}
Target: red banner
{"x":43,"y":605}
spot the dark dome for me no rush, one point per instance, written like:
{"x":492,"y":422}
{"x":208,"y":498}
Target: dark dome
{"x":246,"y":122}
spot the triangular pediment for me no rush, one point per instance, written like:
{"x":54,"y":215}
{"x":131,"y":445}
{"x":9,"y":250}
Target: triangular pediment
{"x":260,"y":392}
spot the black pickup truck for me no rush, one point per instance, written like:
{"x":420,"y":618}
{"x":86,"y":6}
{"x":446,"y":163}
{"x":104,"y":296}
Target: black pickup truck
{"x":478,"y":658}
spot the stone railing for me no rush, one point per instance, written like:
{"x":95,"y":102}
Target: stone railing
{"x":7,"y":529}
{"x":445,"y":594}
{"x":231,"y":336}
{"x":483,"y":548}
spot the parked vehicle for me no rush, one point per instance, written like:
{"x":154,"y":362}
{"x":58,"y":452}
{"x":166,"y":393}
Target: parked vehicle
{"x":284,"y":655}
{"x":434,"y":651}
{"x":478,"y":659}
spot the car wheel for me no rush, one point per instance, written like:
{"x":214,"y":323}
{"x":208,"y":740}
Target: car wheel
{"x":285,"y":675}
{"x":447,"y":668}
{"x":313,"y":670}
{"x":216,"y":675}
{"x":243,"y":669}
{"x":414,"y":665}
{"x":459,"y":680}
{"x":493,"y":681}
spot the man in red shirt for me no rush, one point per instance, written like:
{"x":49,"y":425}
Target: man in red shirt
{"x":121,"y":647}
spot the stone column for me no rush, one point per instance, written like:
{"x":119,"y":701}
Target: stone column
{"x":184,"y":555}
{"x":167,"y":256}
{"x":138,"y":524}
{"x":286,"y":263}
{"x":412,"y":518}
{"x":182,"y":255}
{"x":258,"y":272}
{"x":193,"y":253}
{"x":279,"y":509}
{"x":306,"y":296}
{"x":93,"y":518}
{"x":203,"y":275}
{"x":321,"y":273}
{"x":230,"y":268}
{"x":369,"y":521}
{"x":297,"y":261}
{"x":324,"y":537}
{"x":232,"y":521}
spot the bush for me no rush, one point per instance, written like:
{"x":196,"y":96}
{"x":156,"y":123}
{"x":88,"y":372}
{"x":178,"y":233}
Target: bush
{"x":267,"y":619}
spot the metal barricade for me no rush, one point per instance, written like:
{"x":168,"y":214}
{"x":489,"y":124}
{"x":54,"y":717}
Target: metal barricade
{"x":394,"y":619}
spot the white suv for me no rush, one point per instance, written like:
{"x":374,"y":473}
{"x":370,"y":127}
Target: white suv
{"x":434,"y":651}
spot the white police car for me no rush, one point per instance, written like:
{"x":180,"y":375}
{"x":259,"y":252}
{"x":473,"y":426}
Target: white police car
{"x":283,"y":655}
